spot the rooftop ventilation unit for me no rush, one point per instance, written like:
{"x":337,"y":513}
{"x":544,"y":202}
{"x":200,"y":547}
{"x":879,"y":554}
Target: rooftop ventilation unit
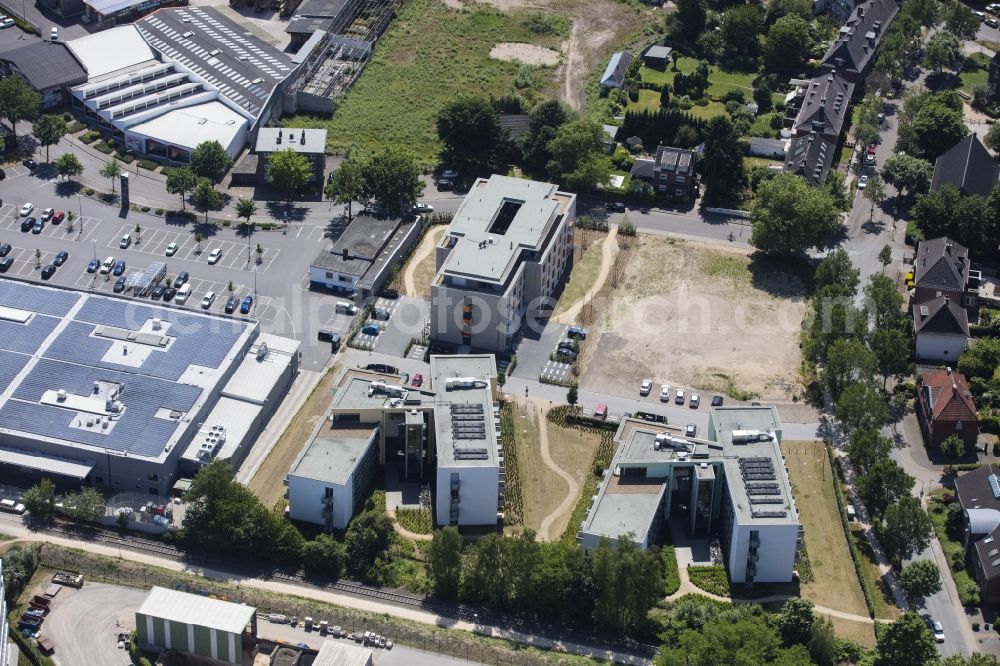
{"x":377,"y":387}
{"x":453,"y":383}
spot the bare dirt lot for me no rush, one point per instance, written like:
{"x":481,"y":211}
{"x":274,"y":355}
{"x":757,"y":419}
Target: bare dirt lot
{"x":529,"y":54}
{"x":694,"y":315}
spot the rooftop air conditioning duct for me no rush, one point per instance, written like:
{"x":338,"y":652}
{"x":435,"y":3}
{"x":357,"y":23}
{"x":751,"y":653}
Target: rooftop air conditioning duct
{"x":61,"y":395}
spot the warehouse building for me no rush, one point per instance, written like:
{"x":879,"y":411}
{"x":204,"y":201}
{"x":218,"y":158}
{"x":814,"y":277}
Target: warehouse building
{"x":501,"y":261}
{"x":196,"y":625}
{"x":49,"y":67}
{"x":105,"y":391}
{"x":450,"y":429}
{"x":733,"y":484}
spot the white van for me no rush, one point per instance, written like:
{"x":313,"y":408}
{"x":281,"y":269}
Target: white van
{"x":344,"y":307}
{"x":183,"y":293}
{"x":207,"y":301}
{"x":10,"y":506}
{"x":108,"y":264}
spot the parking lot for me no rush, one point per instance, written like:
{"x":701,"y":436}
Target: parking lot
{"x":25,"y":261}
{"x":534,"y":355}
{"x":10,"y":220}
{"x":234,"y":253}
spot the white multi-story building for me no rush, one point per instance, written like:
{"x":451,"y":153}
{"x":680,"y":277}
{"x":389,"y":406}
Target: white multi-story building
{"x":502,"y":260}
{"x":733,"y":484}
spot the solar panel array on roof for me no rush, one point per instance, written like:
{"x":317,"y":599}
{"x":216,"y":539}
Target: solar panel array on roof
{"x":995,"y":485}
{"x":768,"y":489}
{"x":766,"y":500}
{"x":471,"y":454}
{"x":757,"y":468}
{"x":26,"y":337}
{"x":10,"y":365}
{"x":769,"y":514}
{"x":46,"y":301}
{"x":468,"y":421}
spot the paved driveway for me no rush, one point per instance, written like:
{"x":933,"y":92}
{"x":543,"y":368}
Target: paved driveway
{"x":84,"y":624}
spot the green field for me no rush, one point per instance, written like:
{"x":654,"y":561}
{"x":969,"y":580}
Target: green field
{"x":430,"y":55}
{"x":975,"y":72}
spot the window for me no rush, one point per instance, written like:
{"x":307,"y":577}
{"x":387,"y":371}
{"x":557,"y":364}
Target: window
{"x":958,"y":425}
{"x":681,"y":179}
{"x":153,"y":477}
{"x":344,"y":278}
{"x":969,"y":300}
{"x":329,"y":275}
{"x":679,"y":193}
{"x":328,"y":493}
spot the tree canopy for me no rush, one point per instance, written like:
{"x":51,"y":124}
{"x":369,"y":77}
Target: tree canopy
{"x":937,"y":127}
{"x":18,"y":101}
{"x":920,"y":578}
{"x":49,"y":129}
{"x":836,"y":268}
{"x":787,"y":44}
{"x":722,"y":161}
{"x":906,"y":528}
{"x":884,"y":484}
{"x":579,"y":160}
{"x":345,"y":187}
{"x":790,"y":217}
{"x":471,"y":137}
{"x":741,"y":29}
{"x":68,"y":165}
{"x":205,"y":197}
{"x":906,"y":642}
{"x":40,"y":499}
{"x":288,"y":172}
{"x":391,"y":179}
{"x":943,"y":51}
{"x":908,"y":173}
{"x":210,"y":160}
{"x":181,"y":181}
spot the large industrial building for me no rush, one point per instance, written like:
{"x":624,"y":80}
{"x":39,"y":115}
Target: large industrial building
{"x":451,"y":426}
{"x":502,"y":261}
{"x":196,"y":625}
{"x":733,"y":484}
{"x":110,"y":392}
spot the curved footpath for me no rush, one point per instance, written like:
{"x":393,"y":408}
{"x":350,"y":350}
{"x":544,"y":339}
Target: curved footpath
{"x":574,"y":487}
{"x":427,"y":245}
{"x":609,"y":246}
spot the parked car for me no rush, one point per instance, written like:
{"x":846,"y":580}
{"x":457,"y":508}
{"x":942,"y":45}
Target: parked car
{"x":616,"y":206}
{"x":881,"y":117}
{"x":6,"y":263}
{"x":172,"y":249}
{"x":54,"y":34}
{"x":48,"y":272}
{"x":58,"y":217}
{"x":862,"y":182}
{"x":230,"y":304}
{"x":246,"y":304}
{"x":992,"y":22}
{"x":6,"y":22}
{"x":418,"y":380}
{"x":870,"y":160}
{"x":370,"y":329}
{"x":30,"y":163}
{"x":61,"y":258}
{"x":181,"y":279}
{"x":390,"y":293}
{"x":125,"y":241}
{"x":119,"y":285}
{"x":695,"y":401}
{"x":38,"y":227}
{"x":158,"y":291}
{"x":664,"y":393}
{"x":576,"y":332}
{"x":208,"y":299}
{"x":646,"y":387}
{"x":450,"y":174}
{"x":26,"y":209}
{"x":47,"y":214}
{"x":119,"y":267}
{"x":690,"y":430}
{"x":717,"y":401}
{"x":422,"y":209}
{"x":872,"y":148}
{"x":5,"y":249}
{"x":445,"y":184}
{"x":679,"y":397}
{"x":215,"y":255}
{"x":93,"y":266}
{"x":27,"y":223}
{"x":169,"y":293}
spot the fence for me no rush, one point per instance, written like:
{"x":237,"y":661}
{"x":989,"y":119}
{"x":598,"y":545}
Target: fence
{"x":588,"y":313}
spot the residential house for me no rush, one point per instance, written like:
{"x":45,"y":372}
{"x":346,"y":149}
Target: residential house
{"x":941,"y":329}
{"x":852,"y":53}
{"x":673,"y":173}
{"x":968,"y":166}
{"x":825,"y":106}
{"x":615,"y":72}
{"x":978,"y":493}
{"x":941,"y":268}
{"x":657,"y":56}
{"x":945,"y":408}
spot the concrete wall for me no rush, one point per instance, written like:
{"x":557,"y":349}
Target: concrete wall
{"x":775,"y":554}
{"x":933,"y":347}
{"x":154,"y":633}
{"x":477,"y":494}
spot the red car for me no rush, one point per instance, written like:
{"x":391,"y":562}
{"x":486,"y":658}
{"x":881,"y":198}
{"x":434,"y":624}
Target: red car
{"x":58,"y":217}
{"x":418,"y":379}
{"x":871,"y":148}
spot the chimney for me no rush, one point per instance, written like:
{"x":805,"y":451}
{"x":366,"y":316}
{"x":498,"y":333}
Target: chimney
{"x":345,"y":254}
{"x":948,"y":369}
{"x":947,"y":248}
{"x":947,"y":300}
{"x":279,"y":136}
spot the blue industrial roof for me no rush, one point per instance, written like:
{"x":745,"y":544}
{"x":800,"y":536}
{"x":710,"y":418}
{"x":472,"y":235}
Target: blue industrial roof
{"x":73,"y":361}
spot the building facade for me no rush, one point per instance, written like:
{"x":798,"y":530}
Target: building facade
{"x":945,"y":408}
{"x":941,"y":330}
{"x":502,"y":261}
{"x":978,"y":493}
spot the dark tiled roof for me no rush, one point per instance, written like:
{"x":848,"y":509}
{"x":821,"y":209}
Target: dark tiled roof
{"x":825,"y":107}
{"x":674,"y":159}
{"x":941,"y":263}
{"x":947,"y":397}
{"x":328,"y":15}
{"x":942,"y":316}
{"x":856,"y":43}
{"x":811,"y":156}
{"x":516,"y":124}
{"x":968,"y":166}
{"x":988,"y":552}
{"x":614,"y":75}
{"x":973,"y":489}
{"x":44,"y":64}
{"x":643,"y":168}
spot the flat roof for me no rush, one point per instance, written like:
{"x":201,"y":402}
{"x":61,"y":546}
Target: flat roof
{"x":620,"y":513}
{"x":236,"y":416}
{"x":333,"y":451}
{"x":45,"y":463}
{"x":313,"y":15}
{"x":77,"y":354}
{"x":261,"y":368}
{"x":342,"y":654}
{"x":111,"y":50}
{"x":190,"y":125}
{"x":358,"y":247}
{"x":464,"y":428}
{"x":354,"y":391}
{"x":299,"y":139}
{"x":108,"y":7}
{"x":498,"y":220}
{"x":194,"y":609}
{"x":243,"y":68}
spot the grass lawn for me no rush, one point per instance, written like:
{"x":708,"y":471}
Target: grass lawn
{"x":861,"y":632}
{"x":648,"y":100}
{"x":974,"y":73}
{"x":720,"y":81}
{"x":584,"y":272}
{"x":752,"y":162}
{"x":948,"y":544}
{"x":573,"y":450}
{"x":885,"y":605}
{"x":709,"y":111}
{"x":430,"y":55}
{"x":762,"y":126}
{"x":835,"y":584}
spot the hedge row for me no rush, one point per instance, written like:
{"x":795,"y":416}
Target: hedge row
{"x":672,"y":577}
{"x":842,"y":506}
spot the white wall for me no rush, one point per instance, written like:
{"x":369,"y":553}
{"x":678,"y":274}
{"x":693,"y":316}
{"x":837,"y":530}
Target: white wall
{"x":477,"y":495}
{"x":318,"y":277}
{"x":305,"y":501}
{"x":775,"y":555}
{"x":933,"y":347}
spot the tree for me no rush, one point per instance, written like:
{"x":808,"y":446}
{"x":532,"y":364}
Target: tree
{"x":689,"y":18}
{"x":885,"y":255}
{"x":579,"y":159}
{"x":112,"y":170}
{"x":926,"y":12}
{"x":992,"y":139}
{"x":980,"y":358}
{"x":953,"y":446}
{"x":345,"y":185}
{"x":323,"y":557}
{"x":920,"y":579}
{"x":198,"y":238}
{"x":823,"y":642}
{"x":391,"y":179}
{"x":875,"y":193}
{"x":908,"y":173}
{"x":796,"y":620}
{"x":848,"y":362}
{"x":471,"y":136}
{"x":948,"y":212}
{"x":49,"y":129}
{"x":543,"y":123}
{"x":942,"y":52}
{"x":665,"y":96}
{"x":906,"y":642}
{"x":367,"y":538}
{"x":883,"y":301}
{"x":787,"y":44}
{"x":741,"y":29}
{"x":861,"y":407}
{"x":836,"y":268}
{"x":181,"y":181}
{"x":867,"y":447}
{"x":205,"y":197}
{"x":444,"y":561}
{"x":288,"y":172}
{"x":86,"y":504}
{"x":722,"y":160}
{"x":778,"y":8}
{"x":891,"y":347}
{"x":18,"y":101}
{"x":245,"y":209}
{"x":884,"y":483}
{"x":38,"y":258}
{"x":259,"y":251}
{"x":975,"y":659}
{"x":572,"y":395}
{"x":961,"y":22}
{"x":210,"y":160}
{"x":937,"y":127}
{"x":40,"y":499}
{"x":789,"y":217}
{"x":68,"y":165}
{"x":836,"y":186}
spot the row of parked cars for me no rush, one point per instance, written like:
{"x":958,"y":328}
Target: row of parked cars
{"x":679,"y":396}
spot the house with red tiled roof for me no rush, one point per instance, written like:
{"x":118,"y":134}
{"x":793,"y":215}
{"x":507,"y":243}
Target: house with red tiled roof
{"x":945,"y":407}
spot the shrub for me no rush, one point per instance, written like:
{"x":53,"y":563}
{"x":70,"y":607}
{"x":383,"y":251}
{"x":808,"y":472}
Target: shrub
{"x":418,"y":521}
{"x":127,"y":158}
{"x":89,"y":191}
{"x":672,"y":576}
{"x":103,"y":147}
{"x":913,"y":233}
{"x":144,"y":209}
{"x":702,"y":102}
{"x":158,"y":211}
{"x":226,"y":223}
{"x":712,"y":579}
{"x":148,"y":165}
{"x":90,"y":137}
{"x":74,"y":127}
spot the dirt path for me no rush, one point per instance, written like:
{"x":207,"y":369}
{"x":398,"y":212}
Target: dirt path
{"x":403,"y":532}
{"x":426,"y":247}
{"x":608,"y":248}
{"x":575,"y":69}
{"x":574,"y":487}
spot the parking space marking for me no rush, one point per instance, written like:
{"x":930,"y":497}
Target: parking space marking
{"x":10,"y":219}
{"x":235,"y":254}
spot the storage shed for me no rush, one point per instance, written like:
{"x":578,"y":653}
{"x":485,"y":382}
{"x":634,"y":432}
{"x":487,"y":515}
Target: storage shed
{"x":198,"y":625}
